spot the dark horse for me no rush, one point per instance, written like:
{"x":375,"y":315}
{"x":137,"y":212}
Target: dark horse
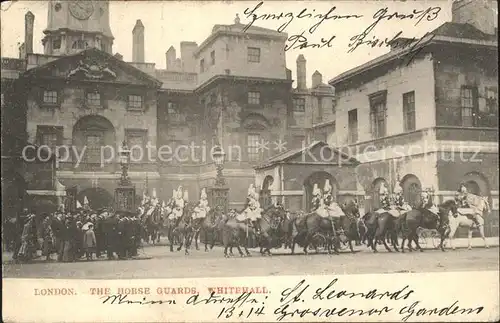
{"x":151,"y":224}
{"x":316,"y":230}
{"x":270,"y":227}
{"x":181,"y":228}
{"x":424,"y":218}
{"x":235,"y":233}
{"x":209,"y":226}
{"x":347,"y":225}
{"x":379,"y":226}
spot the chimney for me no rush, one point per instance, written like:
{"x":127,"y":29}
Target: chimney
{"x":317,"y":79}
{"x":22,"y":51}
{"x":138,"y":42}
{"x":187,"y":56}
{"x":171,"y":57}
{"x":480,"y":14}
{"x":301,"y":73}
{"x":29,"y":22}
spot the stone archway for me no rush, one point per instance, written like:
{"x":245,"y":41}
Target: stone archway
{"x":97,"y":197}
{"x":320,"y":179}
{"x":93,"y":132}
{"x":412,"y":187}
{"x":477,"y":184}
{"x":374,"y":189}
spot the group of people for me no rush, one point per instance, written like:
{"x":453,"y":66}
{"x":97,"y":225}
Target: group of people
{"x":75,"y":235}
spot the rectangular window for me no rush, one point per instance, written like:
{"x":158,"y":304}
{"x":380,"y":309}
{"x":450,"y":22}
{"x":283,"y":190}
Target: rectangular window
{"x":378,"y":114}
{"x":49,"y":97}
{"x":49,"y":135}
{"x":174,"y":113}
{"x":135,"y":102}
{"x":212,"y":57}
{"x":253,"y":97}
{"x":491,"y":100}
{"x":56,"y":43}
{"x":468,"y":105}
{"x":136,"y":142}
{"x":94,"y":141}
{"x":409,"y":111}
{"x":353,"y":126}
{"x":202,"y":65}
{"x":93,"y":99}
{"x":299,"y":105}
{"x":253,"y":143}
{"x":253,"y":54}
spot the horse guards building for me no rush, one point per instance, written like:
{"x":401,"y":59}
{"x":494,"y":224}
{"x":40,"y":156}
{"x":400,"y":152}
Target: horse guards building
{"x":428,"y":124}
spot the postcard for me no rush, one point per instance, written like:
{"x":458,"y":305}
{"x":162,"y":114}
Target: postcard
{"x":250,"y":161}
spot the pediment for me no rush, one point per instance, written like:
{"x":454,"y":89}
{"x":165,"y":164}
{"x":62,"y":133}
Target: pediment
{"x":322,"y":153}
{"x":255,"y":121}
{"x":93,"y":65}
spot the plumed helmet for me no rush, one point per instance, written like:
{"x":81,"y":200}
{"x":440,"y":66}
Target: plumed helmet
{"x":463,"y":188}
{"x":327,"y":187}
{"x":203,"y":194}
{"x":383,"y":189}
{"x":251,"y":190}
{"x":316,"y":190}
{"x":174,"y":193}
{"x":186,"y":195}
{"x":424,"y":195}
{"x":154,"y":193}
{"x":398,"y":189}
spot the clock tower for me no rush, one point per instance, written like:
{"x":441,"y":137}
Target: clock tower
{"x":75,"y":25}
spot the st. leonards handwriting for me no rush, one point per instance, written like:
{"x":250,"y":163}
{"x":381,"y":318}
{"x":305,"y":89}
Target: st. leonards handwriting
{"x":300,"y":300}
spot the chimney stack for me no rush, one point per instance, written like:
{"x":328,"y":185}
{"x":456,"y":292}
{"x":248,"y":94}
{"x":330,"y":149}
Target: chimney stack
{"x":317,"y":79}
{"x":138,"y":42}
{"x":301,"y":73}
{"x":171,"y":56}
{"x":29,"y":22}
{"x":480,"y":14}
{"x":187,"y":56}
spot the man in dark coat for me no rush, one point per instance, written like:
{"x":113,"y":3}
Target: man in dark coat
{"x":111,"y":236}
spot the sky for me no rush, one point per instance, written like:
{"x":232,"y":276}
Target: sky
{"x":169,"y":22}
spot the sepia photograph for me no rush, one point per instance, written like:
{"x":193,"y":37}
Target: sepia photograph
{"x":250,"y":160}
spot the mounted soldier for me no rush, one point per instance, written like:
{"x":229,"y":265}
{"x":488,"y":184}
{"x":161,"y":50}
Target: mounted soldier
{"x":317,"y":199}
{"x":428,"y":202}
{"x":463,"y":199}
{"x":178,"y":204}
{"x":332,"y":208}
{"x":253,"y":211}
{"x":201,"y":210}
{"x":399,"y":201}
{"x":385,"y":202}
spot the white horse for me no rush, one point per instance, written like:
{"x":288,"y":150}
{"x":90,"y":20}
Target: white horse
{"x":460,"y":220}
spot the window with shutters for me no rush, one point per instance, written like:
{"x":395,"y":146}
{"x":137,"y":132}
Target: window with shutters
{"x":136,"y":142}
{"x":353,"y":126}
{"x":93,"y":99}
{"x":378,"y":115}
{"x":409,"y":111}
{"x":469,"y":102}
{"x":253,"y":147}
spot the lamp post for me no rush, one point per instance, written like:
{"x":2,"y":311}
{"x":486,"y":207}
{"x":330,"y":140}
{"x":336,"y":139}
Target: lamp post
{"x":125,"y":192}
{"x":218,"y":157}
{"x":219,"y":194}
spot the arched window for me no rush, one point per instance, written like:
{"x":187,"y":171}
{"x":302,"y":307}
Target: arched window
{"x":79,"y":44}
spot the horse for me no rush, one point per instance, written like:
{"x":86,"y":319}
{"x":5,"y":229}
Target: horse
{"x":380,"y":226}
{"x":235,"y":233}
{"x":459,"y":220}
{"x":310,"y":229}
{"x":270,"y":226}
{"x":208,"y":225}
{"x":347,"y":224}
{"x":424,"y":218}
{"x":181,"y":228}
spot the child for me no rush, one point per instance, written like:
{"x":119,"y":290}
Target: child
{"x":89,"y":241}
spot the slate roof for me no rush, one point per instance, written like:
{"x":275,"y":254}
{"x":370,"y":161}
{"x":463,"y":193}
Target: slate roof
{"x":467,"y":31}
{"x":289,"y":154}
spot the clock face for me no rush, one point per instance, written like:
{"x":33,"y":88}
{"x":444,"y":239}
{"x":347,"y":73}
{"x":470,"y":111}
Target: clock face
{"x":81,"y":9}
